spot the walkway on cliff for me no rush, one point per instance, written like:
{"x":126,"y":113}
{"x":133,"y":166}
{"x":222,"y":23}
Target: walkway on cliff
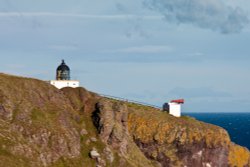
{"x":131,"y":101}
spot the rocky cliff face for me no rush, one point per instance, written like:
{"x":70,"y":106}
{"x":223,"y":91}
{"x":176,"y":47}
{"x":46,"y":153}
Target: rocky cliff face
{"x":43,"y":126}
{"x":179,"y":141}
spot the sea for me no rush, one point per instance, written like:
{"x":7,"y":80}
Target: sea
{"x":237,"y":124}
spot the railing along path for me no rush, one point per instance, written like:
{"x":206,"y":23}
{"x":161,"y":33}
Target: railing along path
{"x":131,"y":101}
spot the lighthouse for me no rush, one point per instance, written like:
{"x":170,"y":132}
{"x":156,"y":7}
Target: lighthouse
{"x":63,"y":77}
{"x":63,"y":72}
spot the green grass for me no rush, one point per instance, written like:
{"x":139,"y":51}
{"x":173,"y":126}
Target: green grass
{"x":4,"y":152}
{"x":7,"y":159}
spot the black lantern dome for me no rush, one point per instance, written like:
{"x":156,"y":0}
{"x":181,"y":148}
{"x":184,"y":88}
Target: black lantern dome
{"x":63,"y":72}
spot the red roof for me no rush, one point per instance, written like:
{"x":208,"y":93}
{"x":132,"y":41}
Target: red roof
{"x":180,"y":101}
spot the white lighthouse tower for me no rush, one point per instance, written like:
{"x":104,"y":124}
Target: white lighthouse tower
{"x":63,"y":77}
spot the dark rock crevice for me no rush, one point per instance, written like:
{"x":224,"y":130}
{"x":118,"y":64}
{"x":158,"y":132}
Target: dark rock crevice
{"x":96,"y":118}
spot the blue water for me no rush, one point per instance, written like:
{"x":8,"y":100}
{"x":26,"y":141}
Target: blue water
{"x":237,"y":124}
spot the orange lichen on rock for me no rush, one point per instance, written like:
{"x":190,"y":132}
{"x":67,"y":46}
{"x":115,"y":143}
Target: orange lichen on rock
{"x":238,"y":156}
{"x":161,"y":127}
{"x":177,"y":141}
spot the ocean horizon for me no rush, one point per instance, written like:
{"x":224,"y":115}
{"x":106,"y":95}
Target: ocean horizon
{"x":237,"y":124}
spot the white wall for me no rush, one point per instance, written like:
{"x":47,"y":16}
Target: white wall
{"x":175,"y":109}
{"x":65,"y":83}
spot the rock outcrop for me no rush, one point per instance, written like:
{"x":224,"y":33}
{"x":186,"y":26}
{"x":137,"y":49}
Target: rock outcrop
{"x":43,"y":126}
{"x":179,"y":141}
{"x":110,"y":119}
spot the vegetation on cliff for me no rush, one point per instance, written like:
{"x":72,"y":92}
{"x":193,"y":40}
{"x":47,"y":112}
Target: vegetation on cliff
{"x":43,"y":126}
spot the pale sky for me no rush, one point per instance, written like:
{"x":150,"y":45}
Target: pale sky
{"x":146,"y":50}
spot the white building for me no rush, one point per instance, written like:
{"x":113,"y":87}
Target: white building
{"x":63,"y":77}
{"x":65,"y":83}
{"x":174,"y":107}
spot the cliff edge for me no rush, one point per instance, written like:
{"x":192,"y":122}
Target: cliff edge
{"x":43,"y":126}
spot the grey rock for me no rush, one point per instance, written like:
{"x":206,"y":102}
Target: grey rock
{"x":101,"y":162}
{"x":5,"y":113}
{"x":93,"y":139}
{"x":94,"y":154}
{"x":87,"y":142}
{"x":108,"y":154}
{"x":111,"y":120}
{"x":84,"y":132}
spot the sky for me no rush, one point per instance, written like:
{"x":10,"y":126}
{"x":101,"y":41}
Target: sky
{"x":151,"y":51}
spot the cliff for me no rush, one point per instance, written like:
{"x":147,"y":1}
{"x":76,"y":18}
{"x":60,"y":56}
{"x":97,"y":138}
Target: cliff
{"x":43,"y":126}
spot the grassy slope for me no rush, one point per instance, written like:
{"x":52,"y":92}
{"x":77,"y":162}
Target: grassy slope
{"x":37,"y":107}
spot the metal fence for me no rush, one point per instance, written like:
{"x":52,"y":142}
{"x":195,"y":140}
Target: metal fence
{"x":131,"y":101}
